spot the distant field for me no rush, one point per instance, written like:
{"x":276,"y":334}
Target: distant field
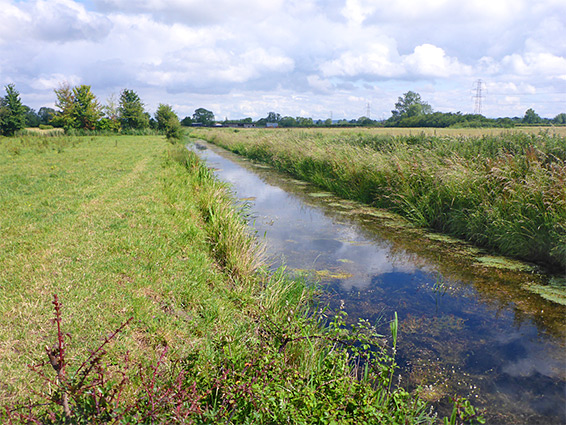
{"x":472,"y":132}
{"x":499,"y":188}
{"x":394,"y":131}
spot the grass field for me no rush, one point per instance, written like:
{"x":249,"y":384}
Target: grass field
{"x":504,"y":190}
{"x":133,"y":227}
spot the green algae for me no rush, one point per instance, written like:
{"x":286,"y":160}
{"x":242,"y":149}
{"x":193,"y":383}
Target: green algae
{"x":321,"y":194}
{"x":443,"y":238}
{"x":323,"y":274}
{"x":554,"y":291}
{"x":327,"y":274}
{"x":503,"y":263}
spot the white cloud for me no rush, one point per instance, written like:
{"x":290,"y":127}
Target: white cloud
{"x":431,"y":61}
{"x":377,"y":59}
{"x":194,"y":12}
{"x":356,"y":11}
{"x":536,"y":64}
{"x":51,"y":82}
{"x":311,"y":55}
{"x":319,"y":84}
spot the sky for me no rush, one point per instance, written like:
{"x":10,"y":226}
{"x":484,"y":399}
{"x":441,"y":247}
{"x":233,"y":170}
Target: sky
{"x":312,"y":58}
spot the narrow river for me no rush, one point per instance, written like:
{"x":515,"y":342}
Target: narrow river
{"x":468,"y":326}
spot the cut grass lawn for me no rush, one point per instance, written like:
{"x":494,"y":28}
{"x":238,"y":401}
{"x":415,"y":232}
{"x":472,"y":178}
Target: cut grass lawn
{"x":91,"y":220}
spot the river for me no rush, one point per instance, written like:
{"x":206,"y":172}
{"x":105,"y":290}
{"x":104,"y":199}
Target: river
{"x":469,"y":324}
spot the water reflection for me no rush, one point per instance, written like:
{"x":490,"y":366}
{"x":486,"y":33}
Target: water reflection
{"x":465,"y":328}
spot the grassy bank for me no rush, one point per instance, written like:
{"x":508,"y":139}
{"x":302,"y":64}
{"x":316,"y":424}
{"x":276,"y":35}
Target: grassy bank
{"x":163,"y":313}
{"x":505,"y":191}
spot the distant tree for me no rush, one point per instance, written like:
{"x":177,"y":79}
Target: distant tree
{"x":86,"y":110}
{"x":273,"y":117}
{"x":286,"y":122}
{"x":46,"y":115}
{"x":187,"y":121}
{"x":410,"y":105}
{"x":131,"y":111}
{"x":203,"y":116}
{"x":304,"y":122}
{"x":164,"y":115}
{"x":32,"y":118}
{"x":110,"y":121}
{"x":366,"y":121}
{"x":559,"y":119}
{"x":531,"y":117}
{"x":64,"y":117}
{"x":12,"y":112}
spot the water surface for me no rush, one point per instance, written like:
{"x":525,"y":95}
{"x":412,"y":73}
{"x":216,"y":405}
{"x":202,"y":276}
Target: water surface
{"x":469,"y":326}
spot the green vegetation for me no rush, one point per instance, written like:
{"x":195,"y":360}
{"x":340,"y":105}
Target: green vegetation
{"x":168,"y":122}
{"x":131,"y":111}
{"x":12,"y":112}
{"x":142,"y":244}
{"x":505,"y":192}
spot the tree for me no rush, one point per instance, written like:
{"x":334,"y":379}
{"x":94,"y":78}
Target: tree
{"x":203,"y":117}
{"x":273,"y":117}
{"x":46,"y":115}
{"x":187,"y":121}
{"x":32,"y":118}
{"x":410,"y":105}
{"x":363,"y":120}
{"x":559,"y":119}
{"x":164,"y":115}
{"x":531,"y":117}
{"x":168,"y":121}
{"x":304,"y":122}
{"x":286,"y":122}
{"x":79,"y":107}
{"x":86,"y":109}
{"x":12,"y":112}
{"x":64,"y":117}
{"x":110,"y":121}
{"x":131,"y":112}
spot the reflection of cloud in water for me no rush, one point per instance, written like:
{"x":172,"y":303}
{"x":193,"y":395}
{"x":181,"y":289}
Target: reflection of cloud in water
{"x":527,"y":359}
{"x":306,"y":237}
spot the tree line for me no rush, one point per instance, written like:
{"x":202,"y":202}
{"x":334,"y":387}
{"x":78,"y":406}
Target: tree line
{"x":79,"y":109}
{"x":411,"y":111}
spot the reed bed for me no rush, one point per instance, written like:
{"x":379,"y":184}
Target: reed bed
{"x":505,"y":192}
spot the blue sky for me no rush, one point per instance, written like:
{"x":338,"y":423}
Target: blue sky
{"x":313,"y":58}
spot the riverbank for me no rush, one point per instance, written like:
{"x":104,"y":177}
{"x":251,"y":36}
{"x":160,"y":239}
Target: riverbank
{"x":136,"y":232}
{"x":504,"y":192}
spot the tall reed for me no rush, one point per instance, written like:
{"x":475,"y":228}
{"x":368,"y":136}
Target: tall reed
{"x":504,"y":192}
